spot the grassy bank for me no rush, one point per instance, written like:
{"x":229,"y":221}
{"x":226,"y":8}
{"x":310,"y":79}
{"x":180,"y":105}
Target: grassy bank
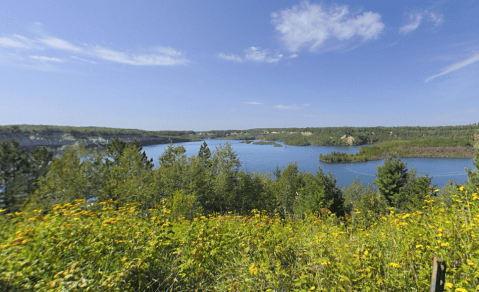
{"x":445,"y":148}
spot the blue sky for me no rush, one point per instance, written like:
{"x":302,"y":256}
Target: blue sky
{"x":204,"y":65}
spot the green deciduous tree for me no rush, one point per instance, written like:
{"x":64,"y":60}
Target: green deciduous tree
{"x":286,"y":187}
{"x":320,"y":191}
{"x":224,"y":170}
{"x":65,"y":181}
{"x":130,"y":180}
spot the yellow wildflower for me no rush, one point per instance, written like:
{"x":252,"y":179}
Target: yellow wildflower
{"x":253,"y":269}
{"x":469,"y":262}
{"x":460,"y":290}
{"x":312,"y":288}
{"x":394,"y":265}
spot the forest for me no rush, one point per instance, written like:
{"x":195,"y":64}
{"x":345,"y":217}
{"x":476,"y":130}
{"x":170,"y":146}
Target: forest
{"x":110,"y":221}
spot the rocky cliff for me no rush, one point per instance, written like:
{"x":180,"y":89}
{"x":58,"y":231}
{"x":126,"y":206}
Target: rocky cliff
{"x":60,"y":141}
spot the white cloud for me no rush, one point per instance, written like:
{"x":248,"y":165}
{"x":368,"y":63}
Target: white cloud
{"x":292,"y":56}
{"x":159,"y":56}
{"x":305,"y":104}
{"x":473,"y":59}
{"x":81,"y":59}
{"x":415,"y":19}
{"x":311,"y":25}
{"x":59,"y":44}
{"x":257,"y":54}
{"x":168,"y":51}
{"x":253,"y":102}
{"x":47,"y":59}
{"x":7,"y":42}
{"x":138,"y":60}
{"x":286,"y":107}
{"x":253,"y":54}
{"x":230,"y":57}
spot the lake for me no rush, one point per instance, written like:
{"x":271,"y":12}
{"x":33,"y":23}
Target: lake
{"x":265,"y":158}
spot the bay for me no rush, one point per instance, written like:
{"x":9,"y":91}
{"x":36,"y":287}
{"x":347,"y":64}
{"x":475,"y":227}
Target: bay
{"x":265,"y":158}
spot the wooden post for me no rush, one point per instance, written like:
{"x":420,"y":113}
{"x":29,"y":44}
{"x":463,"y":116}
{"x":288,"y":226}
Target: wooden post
{"x":438,"y":278}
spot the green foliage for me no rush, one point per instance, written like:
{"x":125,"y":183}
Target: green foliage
{"x":19,"y":172}
{"x":402,"y":189}
{"x":416,"y":190}
{"x":320,"y":191}
{"x":67,"y":179}
{"x":390,"y":179}
{"x":473,"y":175}
{"x":130,"y":180}
{"x":286,"y":187}
{"x":364,"y":199}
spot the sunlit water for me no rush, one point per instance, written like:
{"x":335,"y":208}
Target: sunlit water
{"x":265,"y":158}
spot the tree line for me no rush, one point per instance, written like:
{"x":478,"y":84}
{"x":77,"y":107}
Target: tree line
{"x":330,"y":136}
{"x":206,"y":183}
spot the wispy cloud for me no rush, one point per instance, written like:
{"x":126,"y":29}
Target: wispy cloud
{"x":8,"y":42}
{"x":415,"y":19}
{"x":253,"y":102}
{"x":257,"y":54}
{"x":459,"y":65}
{"x":230,"y":57}
{"x":138,"y":60}
{"x":158,"y":56}
{"x":81,"y":59}
{"x":254,"y":54}
{"x":310,"y":26}
{"x":286,"y":107}
{"x":47,"y":59}
{"x":59,"y":44}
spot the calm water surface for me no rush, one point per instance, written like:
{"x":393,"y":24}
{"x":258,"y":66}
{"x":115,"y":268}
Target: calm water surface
{"x":265,"y":158}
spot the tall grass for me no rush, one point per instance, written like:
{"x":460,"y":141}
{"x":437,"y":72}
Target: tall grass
{"x":75,"y":248}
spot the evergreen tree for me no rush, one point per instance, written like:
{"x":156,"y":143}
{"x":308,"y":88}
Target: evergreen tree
{"x":19,"y":172}
{"x":117,"y":147}
{"x":391,"y":178}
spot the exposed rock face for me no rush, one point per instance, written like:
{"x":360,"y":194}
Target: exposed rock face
{"x":61,"y":141}
{"x":348,"y":138}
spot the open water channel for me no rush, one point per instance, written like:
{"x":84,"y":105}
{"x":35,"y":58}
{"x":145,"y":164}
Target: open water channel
{"x":265,"y":158}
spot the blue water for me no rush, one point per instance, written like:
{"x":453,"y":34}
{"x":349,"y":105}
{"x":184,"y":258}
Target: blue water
{"x":265,"y":158}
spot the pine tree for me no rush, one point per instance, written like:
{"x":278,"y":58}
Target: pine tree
{"x":391,"y":178}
